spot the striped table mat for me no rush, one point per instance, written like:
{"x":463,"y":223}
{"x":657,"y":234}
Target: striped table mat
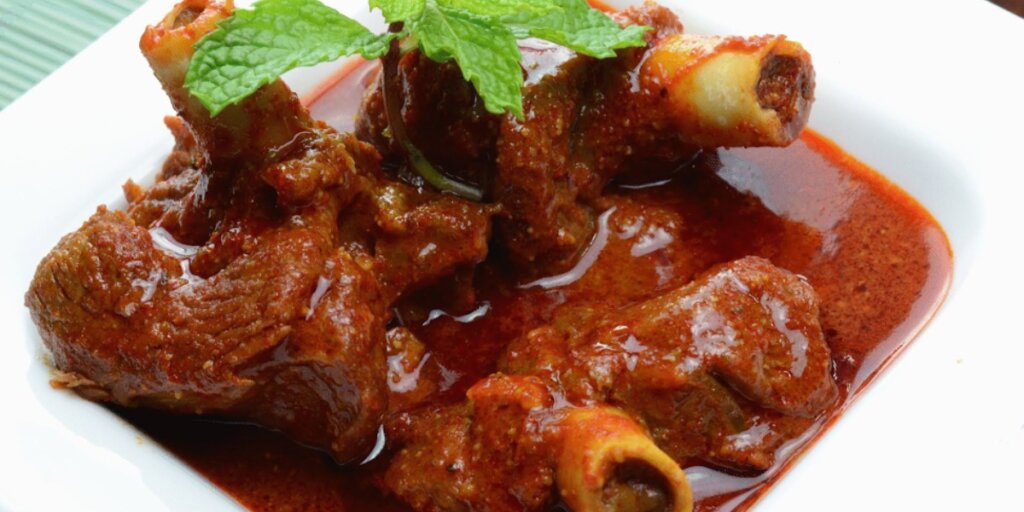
{"x":37,"y":36}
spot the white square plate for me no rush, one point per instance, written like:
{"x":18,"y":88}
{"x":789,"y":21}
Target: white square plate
{"x":929,"y":93}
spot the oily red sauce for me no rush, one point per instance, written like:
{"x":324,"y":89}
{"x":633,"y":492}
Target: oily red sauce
{"x":878,"y":260}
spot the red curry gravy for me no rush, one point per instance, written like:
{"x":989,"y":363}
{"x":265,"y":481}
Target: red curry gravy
{"x":878,"y":260}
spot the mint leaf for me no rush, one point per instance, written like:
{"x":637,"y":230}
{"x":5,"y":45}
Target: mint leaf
{"x":576,"y":25}
{"x":484,"y":48}
{"x":501,"y":8}
{"x":398,"y":10}
{"x":254,"y":47}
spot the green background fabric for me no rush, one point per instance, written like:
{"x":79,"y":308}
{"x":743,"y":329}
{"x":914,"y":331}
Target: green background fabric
{"x":37,"y":36}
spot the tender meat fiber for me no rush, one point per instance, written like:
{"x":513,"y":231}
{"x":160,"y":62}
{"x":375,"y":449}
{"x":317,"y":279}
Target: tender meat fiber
{"x":415,"y":237}
{"x":277,"y":316}
{"x":584,"y":120}
{"x":688,"y":361}
{"x":236,"y":285}
{"x":256,"y":278}
{"x":445,"y":119}
{"x":496,"y":452}
{"x":688,"y":364}
{"x":546,"y":225}
{"x":180,"y":175}
{"x":230,"y":287}
{"x":279,"y":326}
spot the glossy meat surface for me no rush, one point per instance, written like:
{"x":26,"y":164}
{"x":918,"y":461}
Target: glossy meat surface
{"x":729,"y":204}
{"x":278,"y":326}
{"x":414,"y":236}
{"x":230,"y":287}
{"x":699,"y":366}
{"x":278,"y":315}
{"x":589,"y":121}
{"x":686,"y":362}
{"x":256,"y":279}
{"x":581,"y":118}
{"x":516,"y":445}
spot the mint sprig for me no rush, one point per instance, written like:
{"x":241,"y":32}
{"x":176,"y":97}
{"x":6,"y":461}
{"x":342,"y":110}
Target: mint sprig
{"x":575,"y":25}
{"x":395,"y":11}
{"x":485,"y":51}
{"x":255,"y":46}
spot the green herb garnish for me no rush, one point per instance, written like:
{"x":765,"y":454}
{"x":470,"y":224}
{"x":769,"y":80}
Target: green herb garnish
{"x":254,"y":47}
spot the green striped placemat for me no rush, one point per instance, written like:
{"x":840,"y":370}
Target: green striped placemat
{"x":37,"y":36}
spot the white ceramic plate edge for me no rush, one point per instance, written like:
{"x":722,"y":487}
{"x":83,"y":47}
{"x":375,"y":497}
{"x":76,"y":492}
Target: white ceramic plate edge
{"x":927,"y":92}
